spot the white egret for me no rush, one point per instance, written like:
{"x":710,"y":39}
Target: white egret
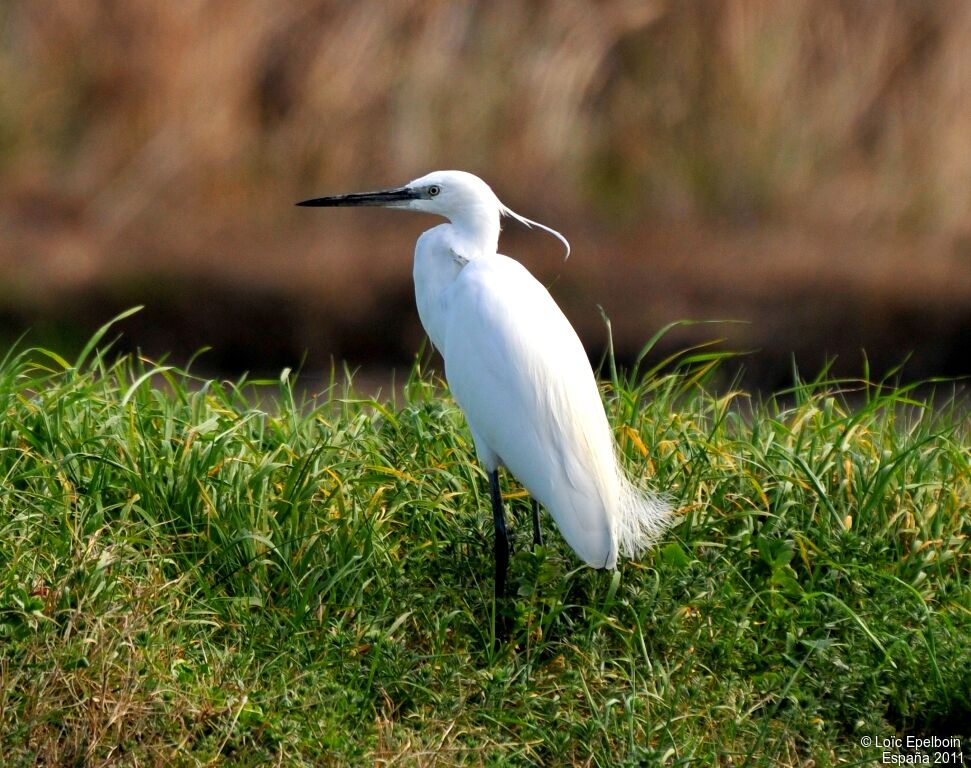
{"x":519,"y":372}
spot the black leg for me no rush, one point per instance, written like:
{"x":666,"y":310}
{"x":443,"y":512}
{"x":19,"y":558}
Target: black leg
{"x":502,"y":536}
{"x":537,"y":534}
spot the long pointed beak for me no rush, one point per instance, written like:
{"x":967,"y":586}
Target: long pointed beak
{"x":386,"y":197}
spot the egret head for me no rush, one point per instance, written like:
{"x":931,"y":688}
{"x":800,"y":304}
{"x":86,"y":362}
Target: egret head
{"x":462,"y":198}
{"x":453,"y":193}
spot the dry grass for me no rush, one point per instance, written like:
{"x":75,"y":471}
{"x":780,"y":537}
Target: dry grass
{"x":106,"y":680}
{"x":848,"y":110}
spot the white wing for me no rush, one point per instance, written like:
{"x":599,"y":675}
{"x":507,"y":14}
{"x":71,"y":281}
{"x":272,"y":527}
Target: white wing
{"x":518,"y":370}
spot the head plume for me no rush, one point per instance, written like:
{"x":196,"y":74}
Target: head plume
{"x":530,"y":223}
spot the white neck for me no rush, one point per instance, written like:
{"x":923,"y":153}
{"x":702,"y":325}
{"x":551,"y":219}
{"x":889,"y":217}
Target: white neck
{"x":474,"y":231}
{"x":440,"y":255}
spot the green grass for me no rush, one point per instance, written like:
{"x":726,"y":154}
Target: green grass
{"x":199,"y":572}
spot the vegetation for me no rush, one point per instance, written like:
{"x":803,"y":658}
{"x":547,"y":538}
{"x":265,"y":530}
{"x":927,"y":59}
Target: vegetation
{"x":200,"y":572}
{"x":832,"y":113}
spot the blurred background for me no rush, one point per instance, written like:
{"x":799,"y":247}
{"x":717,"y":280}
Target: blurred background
{"x":802,"y":167}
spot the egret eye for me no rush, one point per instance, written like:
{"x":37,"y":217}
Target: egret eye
{"x":433,"y":190}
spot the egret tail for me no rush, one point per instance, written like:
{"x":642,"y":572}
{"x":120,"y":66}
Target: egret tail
{"x":642,"y":517}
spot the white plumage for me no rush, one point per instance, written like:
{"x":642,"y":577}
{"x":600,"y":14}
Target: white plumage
{"x":519,"y":372}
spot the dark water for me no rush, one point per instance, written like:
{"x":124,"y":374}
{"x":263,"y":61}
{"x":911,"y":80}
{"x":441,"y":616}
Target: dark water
{"x":262,"y":333}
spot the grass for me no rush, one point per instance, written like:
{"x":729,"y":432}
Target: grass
{"x":199,"y":572}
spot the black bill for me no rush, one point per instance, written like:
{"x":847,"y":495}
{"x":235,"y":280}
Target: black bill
{"x":384,"y":197}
